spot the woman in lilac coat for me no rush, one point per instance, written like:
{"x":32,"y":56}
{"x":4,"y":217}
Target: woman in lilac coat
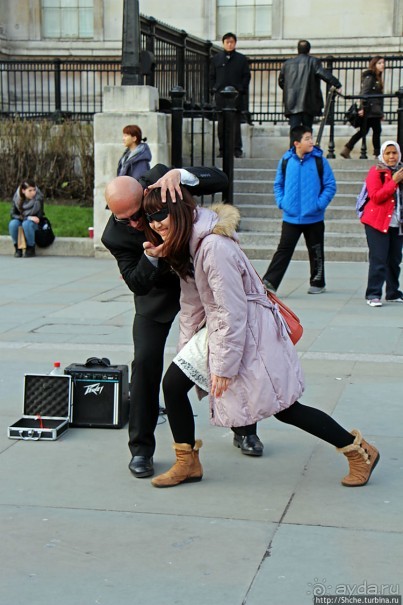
{"x":233,"y":343}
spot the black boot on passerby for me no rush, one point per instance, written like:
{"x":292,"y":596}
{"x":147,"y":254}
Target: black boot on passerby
{"x":345,"y":153}
{"x":18,"y":252}
{"x":29,"y":252}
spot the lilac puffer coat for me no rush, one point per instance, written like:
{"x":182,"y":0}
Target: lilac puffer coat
{"x":247,"y":338}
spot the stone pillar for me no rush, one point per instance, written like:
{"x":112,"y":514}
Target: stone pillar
{"x":123,"y":105}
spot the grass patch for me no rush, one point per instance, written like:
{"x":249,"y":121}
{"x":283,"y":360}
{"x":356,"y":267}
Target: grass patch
{"x":67,"y":221}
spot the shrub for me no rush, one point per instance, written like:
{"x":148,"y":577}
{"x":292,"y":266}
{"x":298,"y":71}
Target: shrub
{"x":59,"y":157}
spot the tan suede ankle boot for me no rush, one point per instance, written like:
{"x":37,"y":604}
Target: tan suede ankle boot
{"x":345,"y":153}
{"x":362,"y":458}
{"x":186,"y":469}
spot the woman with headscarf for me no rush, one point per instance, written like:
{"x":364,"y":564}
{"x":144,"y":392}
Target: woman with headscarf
{"x":383,"y":221}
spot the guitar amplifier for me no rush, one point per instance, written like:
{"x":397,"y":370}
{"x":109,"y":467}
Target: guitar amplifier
{"x":100,"y":394}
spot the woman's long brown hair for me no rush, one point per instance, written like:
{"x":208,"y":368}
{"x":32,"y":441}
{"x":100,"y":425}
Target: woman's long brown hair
{"x":182,"y":215}
{"x":21,"y":188}
{"x":378,"y":74}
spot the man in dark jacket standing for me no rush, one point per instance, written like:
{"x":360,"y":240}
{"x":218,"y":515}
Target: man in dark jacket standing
{"x":300,"y":81}
{"x":230,"y":68}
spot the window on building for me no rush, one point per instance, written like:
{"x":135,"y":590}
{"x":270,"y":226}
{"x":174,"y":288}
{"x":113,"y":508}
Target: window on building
{"x":68,"y":18}
{"x":246,"y":18}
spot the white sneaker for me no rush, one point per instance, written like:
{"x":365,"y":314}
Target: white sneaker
{"x":374,"y":302}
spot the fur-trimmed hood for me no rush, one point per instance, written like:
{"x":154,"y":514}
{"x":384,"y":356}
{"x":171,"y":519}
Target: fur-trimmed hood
{"x":219,"y":219}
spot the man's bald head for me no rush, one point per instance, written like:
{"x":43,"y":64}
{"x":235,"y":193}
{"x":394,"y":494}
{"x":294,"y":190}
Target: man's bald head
{"x":124,"y":196}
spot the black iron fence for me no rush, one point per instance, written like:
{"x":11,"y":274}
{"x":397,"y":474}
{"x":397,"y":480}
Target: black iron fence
{"x":179,"y":60}
{"x":45,"y":88}
{"x":38,"y":89}
{"x":48,"y":88}
{"x":201,"y":124}
{"x":266,"y":98}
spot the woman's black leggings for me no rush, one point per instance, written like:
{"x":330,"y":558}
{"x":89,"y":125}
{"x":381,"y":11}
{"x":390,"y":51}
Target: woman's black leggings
{"x":176,"y":386}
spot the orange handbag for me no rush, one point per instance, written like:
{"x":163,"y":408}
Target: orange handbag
{"x":295,"y":328}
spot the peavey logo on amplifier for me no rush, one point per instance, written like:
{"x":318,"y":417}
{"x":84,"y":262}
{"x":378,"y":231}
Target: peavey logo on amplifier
{"x":93,"y":389}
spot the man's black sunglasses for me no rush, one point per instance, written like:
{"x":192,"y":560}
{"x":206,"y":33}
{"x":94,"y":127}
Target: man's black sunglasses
{"x":126,"y":221}
{"x":158,"y":216}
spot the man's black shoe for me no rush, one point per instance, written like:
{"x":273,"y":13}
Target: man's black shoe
{"x":238,"y":154}
{"x":141,"y":466}
{"x":250,"y":444}
{"x":219,"y":154}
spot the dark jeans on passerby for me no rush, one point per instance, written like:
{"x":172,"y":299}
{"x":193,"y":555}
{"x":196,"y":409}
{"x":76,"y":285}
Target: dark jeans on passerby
{"x":29,"y":230}
{"x":375,"y":124}
{"x":314,"y":235}
{"x":299,"y":119}
{"x":385,"y":256}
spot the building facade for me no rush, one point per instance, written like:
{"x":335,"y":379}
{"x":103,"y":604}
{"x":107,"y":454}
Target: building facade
{"x":93,"y":28}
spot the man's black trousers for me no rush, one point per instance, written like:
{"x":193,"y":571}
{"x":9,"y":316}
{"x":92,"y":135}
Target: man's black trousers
{"x":149,"y":338}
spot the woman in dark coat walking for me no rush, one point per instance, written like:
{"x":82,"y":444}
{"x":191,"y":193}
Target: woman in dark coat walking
{"x":372,"y":109}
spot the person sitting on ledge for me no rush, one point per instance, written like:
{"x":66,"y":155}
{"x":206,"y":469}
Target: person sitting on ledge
{"x":26,"y":212}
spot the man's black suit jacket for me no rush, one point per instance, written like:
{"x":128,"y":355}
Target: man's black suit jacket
{"x":156,"y":289}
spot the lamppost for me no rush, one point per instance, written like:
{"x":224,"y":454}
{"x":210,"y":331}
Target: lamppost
{"x":131,"y":43}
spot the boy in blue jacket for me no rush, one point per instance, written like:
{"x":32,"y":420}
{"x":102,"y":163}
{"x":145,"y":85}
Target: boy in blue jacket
{"x":304,"y":186}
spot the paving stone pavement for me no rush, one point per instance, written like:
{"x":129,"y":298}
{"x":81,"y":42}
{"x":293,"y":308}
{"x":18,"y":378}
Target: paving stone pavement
{"x":78,"y":529}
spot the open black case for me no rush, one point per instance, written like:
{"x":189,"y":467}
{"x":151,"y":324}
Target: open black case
{"x":46,"y":408}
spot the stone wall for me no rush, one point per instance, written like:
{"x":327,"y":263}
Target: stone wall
{"x":333,"y":27}
{"x":124,"y":105}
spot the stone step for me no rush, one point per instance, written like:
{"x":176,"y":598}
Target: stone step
{"x":340,"y":201}
{"x":273,"y":225}
{"x":345,"y":254}
{"x":268,"y":174}
{"x":263,"y":186}
{"x":332,"y":239}
{"x":336,"y":164}
{"x":261,"y":220}
{"x":338,"y":209}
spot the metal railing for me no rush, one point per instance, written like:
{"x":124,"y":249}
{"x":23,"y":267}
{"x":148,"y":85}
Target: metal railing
{"x":266,"y":97}
{"x":50,"y":88}
{"x":43,"y":89}
{"x":180,"y":60}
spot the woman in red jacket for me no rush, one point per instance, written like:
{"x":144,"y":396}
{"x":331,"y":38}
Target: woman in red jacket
{"x":383,"y":220}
